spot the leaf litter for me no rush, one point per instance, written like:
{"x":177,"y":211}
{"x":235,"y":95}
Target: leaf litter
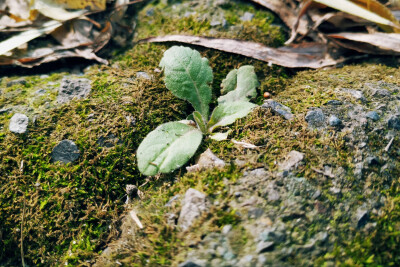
{"x":322,"y":33}
{"x":74,"y":25}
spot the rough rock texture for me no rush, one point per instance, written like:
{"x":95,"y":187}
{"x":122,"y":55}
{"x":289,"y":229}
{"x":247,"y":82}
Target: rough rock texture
{"x":66,"y":151}
{"x":207,"y":160}
{"x":278,"y":108}
{"x":193,"y":205}
{"x":73,"y":89}
{"x":19,"y":123}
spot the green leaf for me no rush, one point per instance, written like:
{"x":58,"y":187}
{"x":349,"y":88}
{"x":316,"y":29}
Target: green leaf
{"x":167,"y":148}
{"x":229,"y":83}
{"x":220,"y":136}
{"x":246,"y":84}
{"x":200,"y":121}
{"x":226,"y":113}
{"x":188,"y":76}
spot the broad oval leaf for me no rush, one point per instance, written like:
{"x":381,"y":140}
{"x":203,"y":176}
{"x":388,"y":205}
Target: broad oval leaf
{"x":229,"y":83}
{"x":246,"y":84}
{"x":226,"y":113}
{"x":167,"y":148}
{"x":188,"y":76}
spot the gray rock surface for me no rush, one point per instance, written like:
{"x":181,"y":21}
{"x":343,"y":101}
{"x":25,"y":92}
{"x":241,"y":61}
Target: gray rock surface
{"x":193,"y":205}
{"x":73,"y":89}
{"x":278,"y":108}
{"x":293,"y":159}
{"x":19,"y":123}
{"x":315,"y":118}
{"x":207,"y":160}
{"x":66,"y":151}
{"x":247,"y":16}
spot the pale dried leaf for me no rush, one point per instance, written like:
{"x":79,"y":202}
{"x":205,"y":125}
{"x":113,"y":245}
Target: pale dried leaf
{"x":383,"y":43}
{"x":244,"y":144}
{"x":27,"y":36}
{"x":55,"y":12}
{"x":308,"y":55}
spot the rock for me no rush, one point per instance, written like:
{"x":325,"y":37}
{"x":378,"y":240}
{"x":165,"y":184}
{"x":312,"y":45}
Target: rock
{"x":226,"y":229}
{"x":19,"y":81}
{"x":264,"y":246}
{"x":394,"y":122}
{"x":143,"y":75}
{"x":315,"y":118}
{"x":207,"y":160}
{"x":358,"y":170}
{"x":361,"y":217}
{"x":247,"y":16}
{"x":229,"y":255}
{"x":190,"y":263}
{"x":66,"y":151}
{"x":278,"y":108}
{"x":334,"y":121}
{"x":273,"y":195}
{"x":357,"y":94}
{"x":131,"y":192}
{"x":5,"y":110}
{"x":372,"y":160}
{"x":150,"y":12}
{"x":108,"y":141}
{"x":316,"y":194}
{"x":255,"y":213}
{"x":373,"y":115}
{"x":19,"y":123}
{"x":73,"y":89}
{"x":272,"y":234}
{"x":334,"y":102}
{"x":193,"y":205}
{"x":293,"y":159}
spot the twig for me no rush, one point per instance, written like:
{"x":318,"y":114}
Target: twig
{"x":389,"y":145}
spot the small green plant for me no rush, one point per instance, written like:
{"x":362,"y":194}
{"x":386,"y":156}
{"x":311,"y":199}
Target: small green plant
{"x":188,"y":76}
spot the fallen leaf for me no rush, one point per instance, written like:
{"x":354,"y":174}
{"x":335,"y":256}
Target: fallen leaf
{"x":378,"y":13}
{"x":306,"y":55}
{"x":55,"y":12}
{"x":24,"y":37}
{"x":379,"y":43}
{"x":82,"y":4}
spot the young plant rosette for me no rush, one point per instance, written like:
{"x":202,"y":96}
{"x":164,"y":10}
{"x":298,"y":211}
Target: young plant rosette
{"x":189,"y":76}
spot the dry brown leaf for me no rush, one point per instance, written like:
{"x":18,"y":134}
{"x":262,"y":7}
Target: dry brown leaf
{"x":306,"y":55}
{"x":82,"y":4}
{"x":374,"y":43}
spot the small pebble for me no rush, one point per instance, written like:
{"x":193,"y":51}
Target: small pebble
{"x":334,"y":121}
{"x":373,"y":115}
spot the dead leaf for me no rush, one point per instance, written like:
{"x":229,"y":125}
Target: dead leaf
{"x":82,"y":4}
{"x":381,"y":43}
{"x":306,"y":55}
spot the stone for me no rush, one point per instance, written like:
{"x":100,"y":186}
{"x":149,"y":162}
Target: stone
{"x":394,"y":122}
{"x":229,"y":255}
{"x":19,"y":81}
{"x":334,"y":121}
{"x":273,"y":195}
{"x":278,"y":108}
{"x":373,"y":115}
{"x":226,"y":229}
{"x":361,"y":217}
{"x":357,"y":94}
{"x":73,"y":89}
{"x":66,"y":151}
{"x":293,"y":159}
{"x":372,"y":160}
{"x":264,"y":246}
{"x":334,"y":102}
{"x":207,"y":160}
{"x":19,"y":123}
{"x":189,"y":263}
{"x":142,"y":75}
{"x":150,"y":12}
{"x":5,"y":110}
{"x":193,"y":205}
{"x":315,"y":118}
{"x":247,"y":16}
{"x":108,"y":141}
